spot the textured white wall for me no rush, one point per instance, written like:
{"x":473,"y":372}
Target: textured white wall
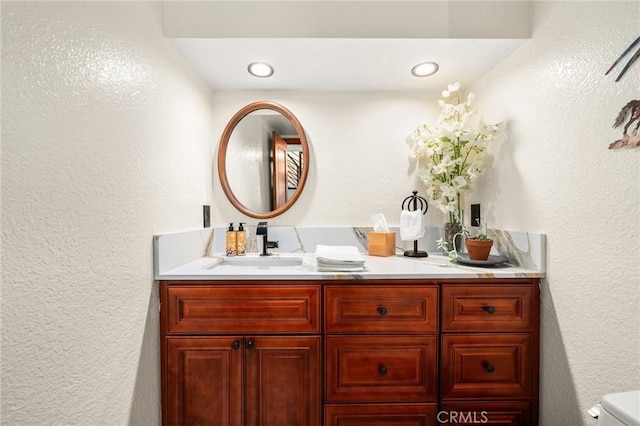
{"x":555,"y":175}
{"x":106,"y":140}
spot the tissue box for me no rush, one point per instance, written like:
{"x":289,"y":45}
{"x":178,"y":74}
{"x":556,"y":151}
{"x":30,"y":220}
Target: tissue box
{"x":382,"y":243}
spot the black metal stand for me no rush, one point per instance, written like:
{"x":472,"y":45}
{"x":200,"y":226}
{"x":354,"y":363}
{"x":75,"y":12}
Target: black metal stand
{"x":413,"y":203}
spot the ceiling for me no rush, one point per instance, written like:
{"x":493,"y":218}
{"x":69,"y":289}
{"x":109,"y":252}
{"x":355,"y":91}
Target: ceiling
{"x":330,"y":46}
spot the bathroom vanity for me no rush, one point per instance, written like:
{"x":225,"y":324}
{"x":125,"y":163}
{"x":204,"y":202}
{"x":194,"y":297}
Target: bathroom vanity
{"x":349,"y":352}
{"x":409,"y":342}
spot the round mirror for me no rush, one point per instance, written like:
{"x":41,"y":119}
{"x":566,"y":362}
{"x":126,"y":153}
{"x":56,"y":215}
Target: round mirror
{"x":263,"y":159}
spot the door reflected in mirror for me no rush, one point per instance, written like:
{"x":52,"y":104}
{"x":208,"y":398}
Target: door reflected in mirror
{"x":263,"y":159}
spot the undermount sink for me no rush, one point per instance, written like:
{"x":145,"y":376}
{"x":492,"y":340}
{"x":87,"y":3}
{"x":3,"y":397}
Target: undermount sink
{"x":260,"y":263}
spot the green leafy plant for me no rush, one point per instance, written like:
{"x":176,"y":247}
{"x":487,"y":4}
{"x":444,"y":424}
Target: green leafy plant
{"x":453,"y":253}
{"x":480,"y":236}
{"x":444,"y":246}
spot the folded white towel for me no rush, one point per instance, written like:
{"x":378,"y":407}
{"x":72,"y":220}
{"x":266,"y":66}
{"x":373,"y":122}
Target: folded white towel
{"x":340,"y":268}
{"x":339,"y":258}
{"x":411,"y":227}
{"x":339,"y":253}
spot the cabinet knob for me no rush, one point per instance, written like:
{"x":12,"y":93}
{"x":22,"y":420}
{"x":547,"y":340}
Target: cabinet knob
{"x":382,"y":311}
{"x":250,"y":344}
{"x":382,"y":370}
{"x":235,"y":345}
{"x":489,"y":367}
{"x":490,"y":309}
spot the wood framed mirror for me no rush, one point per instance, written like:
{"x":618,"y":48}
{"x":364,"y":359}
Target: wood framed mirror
{"x":263,"y":159}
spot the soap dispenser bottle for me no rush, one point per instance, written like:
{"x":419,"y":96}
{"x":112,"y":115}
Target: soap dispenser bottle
{"x":231,"y":241}
{"x":241,"y":240}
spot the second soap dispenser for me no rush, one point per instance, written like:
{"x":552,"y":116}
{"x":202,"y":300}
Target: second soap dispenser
{"x":231,"y":241}
{"x":241,"y":239}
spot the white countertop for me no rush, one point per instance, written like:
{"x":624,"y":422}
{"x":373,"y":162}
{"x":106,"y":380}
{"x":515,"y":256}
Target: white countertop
{"x":436,"y":266}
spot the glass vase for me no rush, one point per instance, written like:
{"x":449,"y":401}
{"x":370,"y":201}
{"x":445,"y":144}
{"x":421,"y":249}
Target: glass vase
{"x":450,"y":231}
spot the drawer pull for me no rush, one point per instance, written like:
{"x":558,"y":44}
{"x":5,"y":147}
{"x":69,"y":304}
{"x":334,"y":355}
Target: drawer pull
{"x":382,"y":311}
{"x":250,"y":344}
{"x":489,"y":367}
{"x":382,"y":370}
{"x":235,"y":345}
{"x":490,"y":309}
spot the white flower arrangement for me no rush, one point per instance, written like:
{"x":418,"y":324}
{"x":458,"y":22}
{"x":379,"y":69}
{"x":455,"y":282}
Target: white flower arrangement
{"x":452,"y":152}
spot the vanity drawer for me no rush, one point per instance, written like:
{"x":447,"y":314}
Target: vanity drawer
{"x":487,"y":366}
{"x":381,"y":369}
{"x":381,"y":310}
{"x":381,"y":415}
{"x":487,"y":413}
{"x":242,"y":309}
{"x":486,"y":308}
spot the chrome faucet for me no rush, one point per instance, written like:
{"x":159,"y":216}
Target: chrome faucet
{"x":266,"y":244}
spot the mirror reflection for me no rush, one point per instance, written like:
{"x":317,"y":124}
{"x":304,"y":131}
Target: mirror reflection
{"x":263,"y":159}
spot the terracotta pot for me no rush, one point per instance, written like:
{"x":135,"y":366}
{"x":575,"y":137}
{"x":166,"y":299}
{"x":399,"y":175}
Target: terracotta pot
{"x":478,"y":249}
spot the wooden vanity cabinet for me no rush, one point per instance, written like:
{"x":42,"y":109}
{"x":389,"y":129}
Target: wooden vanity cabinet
{"x":381,"y":354}
{"x":489,"y":351}
{"x":397,"y":352}
{"x":240,"y":355}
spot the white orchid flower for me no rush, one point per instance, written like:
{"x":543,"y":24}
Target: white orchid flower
{"x":444,"y":209}
{"x":459,"y":182}
{"x":451,"y":154}
{"x":449,"y":191}
{"x":461,"y":108}
{"x":470,"y":98}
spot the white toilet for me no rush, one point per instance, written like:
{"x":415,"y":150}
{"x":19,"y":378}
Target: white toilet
{"x":620,"y":409}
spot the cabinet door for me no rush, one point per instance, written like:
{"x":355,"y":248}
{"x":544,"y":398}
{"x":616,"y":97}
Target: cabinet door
{"x":283,"y":381}
{"x":203,"y":381}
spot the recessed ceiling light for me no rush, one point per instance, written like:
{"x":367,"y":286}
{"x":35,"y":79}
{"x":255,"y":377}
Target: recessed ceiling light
{"x":425,"y":69}
{"x":260,"y":69}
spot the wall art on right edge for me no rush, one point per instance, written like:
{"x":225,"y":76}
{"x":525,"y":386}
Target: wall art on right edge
{"x":631,"y":110}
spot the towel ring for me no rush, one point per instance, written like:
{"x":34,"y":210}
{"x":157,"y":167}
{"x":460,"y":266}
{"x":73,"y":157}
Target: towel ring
{"x":412,"y":203}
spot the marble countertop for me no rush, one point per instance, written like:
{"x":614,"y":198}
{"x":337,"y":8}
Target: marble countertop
{"x":436,"y":266}
{"x":197,"y":255}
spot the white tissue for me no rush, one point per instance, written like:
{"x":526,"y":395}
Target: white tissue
{"x":379,"y":223}
{"x":411,"y":226}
